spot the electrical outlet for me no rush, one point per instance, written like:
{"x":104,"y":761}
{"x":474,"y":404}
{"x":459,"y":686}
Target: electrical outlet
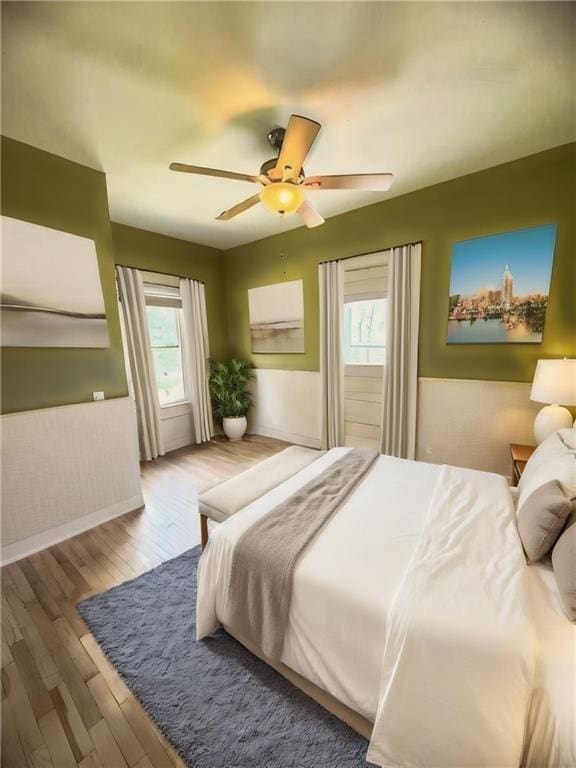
{"x":428,"y":451}
{"x":98,"y":395}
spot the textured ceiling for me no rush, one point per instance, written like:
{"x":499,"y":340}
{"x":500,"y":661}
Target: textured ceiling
{"x":429,"y":91}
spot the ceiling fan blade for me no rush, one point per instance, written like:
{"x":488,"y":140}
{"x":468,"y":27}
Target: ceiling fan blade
{"x":240,"y":208}
{"x":299,"y":137}
{"x":200,"y":171}
{"x":376,"y":182}
{"x":310,"y":215}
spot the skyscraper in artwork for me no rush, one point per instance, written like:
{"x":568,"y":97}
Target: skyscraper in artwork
{"x":507,"y":287}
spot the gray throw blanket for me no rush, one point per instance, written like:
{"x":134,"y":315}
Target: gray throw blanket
{"x":265,"y":556}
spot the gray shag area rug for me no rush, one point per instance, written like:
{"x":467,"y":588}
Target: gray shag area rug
{"x":217,"y":704}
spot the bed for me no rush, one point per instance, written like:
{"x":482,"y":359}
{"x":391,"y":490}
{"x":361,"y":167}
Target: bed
{"x":388,"y":616}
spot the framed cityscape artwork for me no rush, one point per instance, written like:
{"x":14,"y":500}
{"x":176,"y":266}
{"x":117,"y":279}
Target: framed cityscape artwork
{"x":499,"y":287}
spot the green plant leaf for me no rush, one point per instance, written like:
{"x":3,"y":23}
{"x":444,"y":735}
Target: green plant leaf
{"x":228,"y":382}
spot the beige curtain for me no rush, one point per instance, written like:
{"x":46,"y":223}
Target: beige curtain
{"x":330,"y":275}
{"x":140,"y":363}
{"x":401,"y":368}
{"x":196,"y":354}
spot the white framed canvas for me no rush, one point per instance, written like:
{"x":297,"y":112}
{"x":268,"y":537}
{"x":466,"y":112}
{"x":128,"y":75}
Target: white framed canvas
{"x":51,"y":295}
{"x":277,"y":317}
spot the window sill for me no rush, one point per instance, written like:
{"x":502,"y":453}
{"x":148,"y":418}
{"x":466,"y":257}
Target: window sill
{"x":361,"y":369}
{"x":174,"y":410}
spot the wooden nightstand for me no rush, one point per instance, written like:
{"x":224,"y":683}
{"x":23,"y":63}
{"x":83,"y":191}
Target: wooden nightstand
{"x":520,"y":455}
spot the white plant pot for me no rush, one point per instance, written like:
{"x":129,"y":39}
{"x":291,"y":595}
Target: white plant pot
{"x":234,"y":428}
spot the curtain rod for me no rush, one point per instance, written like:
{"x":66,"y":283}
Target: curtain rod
{"x":369,"y":253}
{"x":157,"y":272}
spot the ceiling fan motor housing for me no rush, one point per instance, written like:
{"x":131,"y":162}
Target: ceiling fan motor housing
{"x":276,"y":137}
{"x":269,"y":164}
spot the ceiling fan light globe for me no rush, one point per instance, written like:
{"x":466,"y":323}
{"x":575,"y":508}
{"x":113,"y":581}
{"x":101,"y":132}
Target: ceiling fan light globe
{"x":282,"y":197}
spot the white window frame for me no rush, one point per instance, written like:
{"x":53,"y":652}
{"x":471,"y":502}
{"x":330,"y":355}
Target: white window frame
{"x":163,"y":296}
{"x":351,"y":369}
{"x":364,"y":261}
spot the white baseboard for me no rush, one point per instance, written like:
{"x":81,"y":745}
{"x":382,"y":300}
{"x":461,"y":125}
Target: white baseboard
{"x":39,"y":541}
{"x":289,"y":437}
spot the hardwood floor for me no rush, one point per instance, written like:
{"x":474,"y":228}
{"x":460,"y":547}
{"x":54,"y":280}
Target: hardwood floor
{"x":63,"y":705}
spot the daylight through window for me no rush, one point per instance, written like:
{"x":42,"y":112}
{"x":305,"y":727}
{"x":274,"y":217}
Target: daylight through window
{"x":365,"y":332}
{"x":164,"y":328}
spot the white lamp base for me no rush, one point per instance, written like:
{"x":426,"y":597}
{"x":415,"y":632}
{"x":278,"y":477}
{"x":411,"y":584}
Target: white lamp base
{"x":549,"y":420}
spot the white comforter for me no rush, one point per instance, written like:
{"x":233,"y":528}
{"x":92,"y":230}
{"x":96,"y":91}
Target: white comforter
{"x":387,"y":617}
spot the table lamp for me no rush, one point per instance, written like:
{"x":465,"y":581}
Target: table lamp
{"x":554,"y":383}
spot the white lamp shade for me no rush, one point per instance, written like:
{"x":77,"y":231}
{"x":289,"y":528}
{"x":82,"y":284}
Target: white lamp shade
{"x":555,"y":382}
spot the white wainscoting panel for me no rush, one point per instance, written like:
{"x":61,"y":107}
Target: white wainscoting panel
{"x":65,"y":470}
{"x":176,"y":426}
{"x":470,"y":423}
{"x":466,"y":423}
{"x":363,"y":406}
{"x":287,"y":406}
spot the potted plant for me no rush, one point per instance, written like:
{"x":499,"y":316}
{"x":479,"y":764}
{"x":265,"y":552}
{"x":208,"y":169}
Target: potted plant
{"x":230,"y":400}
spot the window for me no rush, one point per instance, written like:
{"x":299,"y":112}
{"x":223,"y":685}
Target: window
{"x":164,"y":328}
{"x":365,"y":332}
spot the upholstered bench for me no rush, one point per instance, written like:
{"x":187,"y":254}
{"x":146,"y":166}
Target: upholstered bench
{"x":224,"y":500}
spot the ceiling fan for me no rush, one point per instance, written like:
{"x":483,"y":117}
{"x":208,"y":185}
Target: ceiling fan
{"x":282,"y":179}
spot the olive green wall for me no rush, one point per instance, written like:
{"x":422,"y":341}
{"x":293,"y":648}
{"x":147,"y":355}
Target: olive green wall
{"x":158,"y":253}
{"x":48,"y":190}
{"x":536,"y":190}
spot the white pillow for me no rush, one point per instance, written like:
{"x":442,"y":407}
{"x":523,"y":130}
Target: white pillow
{"x":568,"y":437}
{"x":515,"y":494}
{"x":552,"y":460}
